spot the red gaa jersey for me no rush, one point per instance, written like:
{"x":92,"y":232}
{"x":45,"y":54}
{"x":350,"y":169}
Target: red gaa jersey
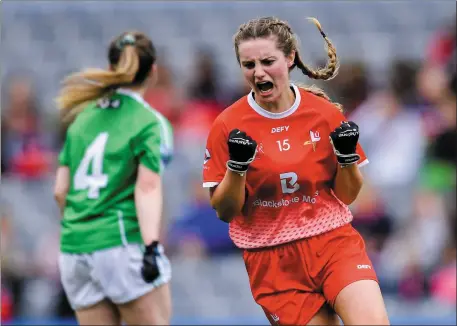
{"x":289,"y":184}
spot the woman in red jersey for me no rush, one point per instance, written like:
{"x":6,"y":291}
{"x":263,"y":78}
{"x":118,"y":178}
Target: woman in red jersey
{"x":282,"y":164}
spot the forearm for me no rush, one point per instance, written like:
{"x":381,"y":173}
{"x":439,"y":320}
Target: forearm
{"x":228,"y":198}
{"x":348,"y":182}
{"x":61,"y":187}
{"x":148,"y":202}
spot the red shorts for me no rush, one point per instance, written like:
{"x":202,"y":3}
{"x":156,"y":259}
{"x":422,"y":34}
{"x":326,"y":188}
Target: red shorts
{"x":291,"y":282}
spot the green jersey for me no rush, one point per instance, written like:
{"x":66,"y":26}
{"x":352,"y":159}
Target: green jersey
{"x":103,"y":148}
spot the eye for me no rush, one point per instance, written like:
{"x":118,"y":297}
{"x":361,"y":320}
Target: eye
{"x":249,"y":65}
{"x":267,"y":62}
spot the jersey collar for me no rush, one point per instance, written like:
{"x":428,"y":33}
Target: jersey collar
{"x":271,"y":115}
{"x":135,"y":95}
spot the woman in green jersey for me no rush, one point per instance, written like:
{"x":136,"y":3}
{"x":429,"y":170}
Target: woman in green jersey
{"x":108,"y":185}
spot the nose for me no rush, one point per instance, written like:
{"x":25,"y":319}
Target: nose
{"x":259,"y":72}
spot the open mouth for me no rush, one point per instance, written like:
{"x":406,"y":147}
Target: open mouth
{"x":265,"y":86}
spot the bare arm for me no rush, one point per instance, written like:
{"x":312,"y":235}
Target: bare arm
{"x":228,"y":197}
{"x":148,"y":202}
{"x":61,"y":186}
{"x":348,"y":182}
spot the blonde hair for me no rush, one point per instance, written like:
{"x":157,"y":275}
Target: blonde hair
{"x":131,"y":56}
{"x":287,"y":42}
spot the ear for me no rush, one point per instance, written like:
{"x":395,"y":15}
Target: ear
{"x":154,"y":74}
{"x":154,"y":69}
{"x":290,"y":59}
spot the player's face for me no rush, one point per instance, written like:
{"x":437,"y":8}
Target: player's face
{"x":265,"y":68}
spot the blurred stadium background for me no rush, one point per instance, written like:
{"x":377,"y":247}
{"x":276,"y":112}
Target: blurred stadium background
{"x":397,"y":78}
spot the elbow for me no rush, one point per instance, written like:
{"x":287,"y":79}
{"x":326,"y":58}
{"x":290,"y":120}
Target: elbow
{"x":349,"y":196}
{"x":225,"y":213}
{"x":59,"y":197}
{"x":147,"y":181}
{"x":145,"y":187}
{"x":226,"y":216}
{"x":348,"y":200}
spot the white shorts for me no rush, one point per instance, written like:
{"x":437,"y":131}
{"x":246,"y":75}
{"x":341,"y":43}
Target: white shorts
{"x":113,"y":273}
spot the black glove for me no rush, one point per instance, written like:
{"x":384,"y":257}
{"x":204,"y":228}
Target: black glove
{"x":344,"y":141}
{"x":150,"y":270}
{"x":242,"y":150}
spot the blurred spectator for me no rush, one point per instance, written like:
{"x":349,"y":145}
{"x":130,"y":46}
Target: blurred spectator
{"x":350,"y":87}
{"x":372,"y":221}
{"x":240,"y":90}
{"x":392,"y":136}
{"x":26,"y":148}
{"x":199,"y":232}
{"x":6,"y":305}
{"x":6,"y":295}
{"x":28,"y":256}
{"x":443,"y":280}
{"x":203,"y":106}
{"x":439,"y":170}
{"x":424,"y":244}
{"x":432,"y":79}
{"x":205,"y":86}
{"x":165,"y":97}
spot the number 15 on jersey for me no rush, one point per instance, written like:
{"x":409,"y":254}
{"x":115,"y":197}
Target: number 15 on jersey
{"x":96,"y":180}
{"x":283,"y":145}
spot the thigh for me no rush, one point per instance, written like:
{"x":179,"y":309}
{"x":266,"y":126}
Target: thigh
{"x":325,"y":316}
{"x":153,"y":308}
{"x":361,"y":303}
{"x":119,"y":273}
{"x":349,"y":281}
{"x":345,"y":261}
{"x":76,"y":274}
{"x":281,"y":286}
{"x":102,"y":313}
{"x":293,"y":308}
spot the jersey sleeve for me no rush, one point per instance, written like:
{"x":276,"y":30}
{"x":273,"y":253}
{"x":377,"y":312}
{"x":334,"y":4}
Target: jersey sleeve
{"x":216,"y":155}
{"x":147,"y":147}
{"x":166,"y":141}
{"x":335,"y":120}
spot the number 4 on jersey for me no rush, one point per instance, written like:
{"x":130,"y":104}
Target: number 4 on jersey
{"x":96,"y":180}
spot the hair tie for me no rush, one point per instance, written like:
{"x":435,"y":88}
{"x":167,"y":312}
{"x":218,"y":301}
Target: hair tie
{"x":127,"y":39}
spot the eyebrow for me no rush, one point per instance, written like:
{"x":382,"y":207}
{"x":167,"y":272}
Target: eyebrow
{"x":266,"y":58}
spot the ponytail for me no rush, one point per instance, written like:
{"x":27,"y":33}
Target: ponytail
{"x":326,"y":73}
{"x":91,"y":84}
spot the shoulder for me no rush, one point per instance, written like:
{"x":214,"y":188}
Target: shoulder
{"x":323,"y":107}
{"x":234,"y":113}
{"x":81,"y":120}
{"x":140,"y":109}
{"x":143,"y":113}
